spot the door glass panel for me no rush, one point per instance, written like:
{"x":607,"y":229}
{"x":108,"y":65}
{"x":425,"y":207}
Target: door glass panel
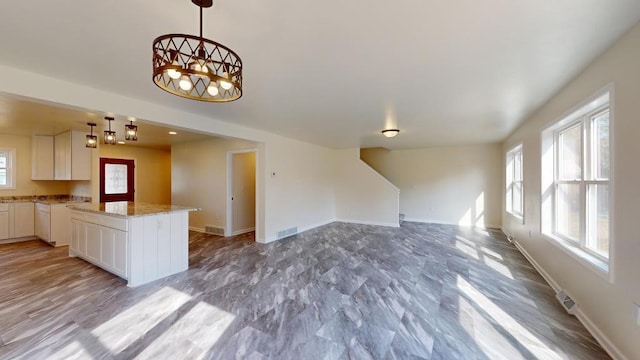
{"x":568,"y":211}
{"x":570,"y":151}
{"x":115,"y":179}
{"x":3,"y":176}
{"x":598,"y":219}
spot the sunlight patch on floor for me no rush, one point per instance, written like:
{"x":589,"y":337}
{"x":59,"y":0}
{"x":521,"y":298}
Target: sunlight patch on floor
{"x":467,"y":250}
{"x":502,"y":320}
{"x":74,"y":350}
{"x":202,"y":326}
{"x":127,"y":327}
{"x":491,"y":253}
{"x":497,"y":266}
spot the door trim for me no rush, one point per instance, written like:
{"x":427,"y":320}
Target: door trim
{"x":229,"y":221}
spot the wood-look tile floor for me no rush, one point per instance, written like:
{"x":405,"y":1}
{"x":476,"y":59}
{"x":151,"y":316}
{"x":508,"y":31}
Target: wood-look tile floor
{"x":336,"y":292}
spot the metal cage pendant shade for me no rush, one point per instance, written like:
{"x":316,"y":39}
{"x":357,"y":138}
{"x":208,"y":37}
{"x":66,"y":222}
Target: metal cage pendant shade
{"x":197,"y":68}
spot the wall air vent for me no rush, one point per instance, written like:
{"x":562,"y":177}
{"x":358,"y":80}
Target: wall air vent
{"x":288,"y":232}
{"x":215,"y":230}
{"x":567,"y":302}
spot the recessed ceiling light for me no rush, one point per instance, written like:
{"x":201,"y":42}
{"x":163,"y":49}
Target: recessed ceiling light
{"x":121,"y":142}
{"x":173,"y":133}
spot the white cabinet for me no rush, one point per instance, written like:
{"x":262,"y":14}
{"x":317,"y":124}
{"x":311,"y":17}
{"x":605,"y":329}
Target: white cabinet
{"x":42,"y":158}
{"x":43,"y":222}
{"x":72,"y":157}
{"x":53,"y":223}
{"x":4,"y":221}
{"x":101,"y":245}
{"x":23,"y":219}
{"x":139,"y":249}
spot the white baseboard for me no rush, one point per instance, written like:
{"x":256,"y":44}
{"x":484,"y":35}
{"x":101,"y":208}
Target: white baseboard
{"x":17,"y":240}
{"x":427,"y":221}
{"x":361,"y":222}
{"x":243,"y":231}
{"x":602,"y":339}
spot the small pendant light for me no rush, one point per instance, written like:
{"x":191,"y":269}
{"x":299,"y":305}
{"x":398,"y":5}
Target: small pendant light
{"x":109,"y":136}
{"x":92,"y":140}
{"x":131,"y":131}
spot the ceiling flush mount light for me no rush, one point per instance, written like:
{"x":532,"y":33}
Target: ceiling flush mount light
{"x":92,"y":140}
{"x":390,"y":132}
{"x":197,"y":68}
{"x":131,"y":131}
{"x":109,"y":136}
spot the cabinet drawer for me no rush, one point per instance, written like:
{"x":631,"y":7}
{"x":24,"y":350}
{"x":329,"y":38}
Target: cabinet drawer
{"x":114,"y":222}
{"x":4,"y":207}
{"x":43,"y":208}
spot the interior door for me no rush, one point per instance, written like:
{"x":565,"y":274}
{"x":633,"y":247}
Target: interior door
{"x":116,"y":180}
{"x":243,"y":190}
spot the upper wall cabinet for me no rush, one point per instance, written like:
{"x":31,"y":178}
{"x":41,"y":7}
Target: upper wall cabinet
{"x":42,"y":158}
{"x":72,"y":159}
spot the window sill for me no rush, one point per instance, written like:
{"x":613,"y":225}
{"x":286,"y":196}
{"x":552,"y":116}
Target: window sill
{"x":595,"y":264}
{"x":518,"y":217}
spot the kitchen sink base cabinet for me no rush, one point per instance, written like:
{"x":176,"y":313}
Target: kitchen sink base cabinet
{"x":138,"y":249}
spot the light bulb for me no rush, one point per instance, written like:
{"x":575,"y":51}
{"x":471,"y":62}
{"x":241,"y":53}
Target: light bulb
{"x":185,"y":84}
{"x":109,"y":137}
{"x":212,"y":90}
{"x":174,"y":74}
{"x":225,"y":84}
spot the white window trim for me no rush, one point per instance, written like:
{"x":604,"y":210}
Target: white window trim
{"x":11,"y":169}
{"x":508,"y":181}
{"x":601,"y":266}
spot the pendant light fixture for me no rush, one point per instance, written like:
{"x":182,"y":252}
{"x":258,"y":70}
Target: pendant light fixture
{"x":197,"y":68}
{"x":390,"y":132}
{"x":92,"y":140}
{"x":109,"y":136}
{"x":131,"y":131}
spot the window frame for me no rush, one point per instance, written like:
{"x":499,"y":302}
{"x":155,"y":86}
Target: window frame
{"x":10,"y":169}
{"x":510,"y":180}
{"x":586,"y":113}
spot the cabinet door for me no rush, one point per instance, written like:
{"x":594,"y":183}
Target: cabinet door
{"x":114,"y":250}
{"x":23,"y":219}
{"x":42,"y":156}
{"x":44,"y":222}
{"x":4,"y":225}
{"x":62,"y":163}
{"x":93,"y":243}
{"x":74,"y":244}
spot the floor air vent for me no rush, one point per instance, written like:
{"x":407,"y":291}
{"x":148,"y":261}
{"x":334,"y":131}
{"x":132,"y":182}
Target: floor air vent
{"x":214,"y":230}
{"x":288,"y":232}
{"x":567,"y":302}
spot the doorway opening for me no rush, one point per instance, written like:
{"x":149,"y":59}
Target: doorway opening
{"x":241,"y":192}
{"x":116,"y":180}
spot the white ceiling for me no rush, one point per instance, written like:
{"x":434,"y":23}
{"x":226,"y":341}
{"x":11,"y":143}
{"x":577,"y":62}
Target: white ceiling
{"x":336,"y":72}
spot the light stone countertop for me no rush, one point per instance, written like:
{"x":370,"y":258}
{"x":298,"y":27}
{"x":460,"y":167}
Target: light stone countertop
{"x":129,"y":209}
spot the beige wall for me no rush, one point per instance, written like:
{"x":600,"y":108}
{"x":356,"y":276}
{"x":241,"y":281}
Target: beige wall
{"x":607,"y":305}
{"x":363,"y":195}
{"x":199,"y":178}
{"x":451,"y":185}
{"x":152,"y":173}
{"x":24,"y":184}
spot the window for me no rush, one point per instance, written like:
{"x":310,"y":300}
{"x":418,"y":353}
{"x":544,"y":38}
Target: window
{"x":7,"y":168}
{"x":575,"y":182}
{"x":515,"y":190}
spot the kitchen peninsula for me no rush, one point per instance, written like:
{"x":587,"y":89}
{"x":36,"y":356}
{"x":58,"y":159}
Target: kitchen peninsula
{"x":135,"y":241}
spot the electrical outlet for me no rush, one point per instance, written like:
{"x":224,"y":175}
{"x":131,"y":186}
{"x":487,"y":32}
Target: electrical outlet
{"x":636,"y":314}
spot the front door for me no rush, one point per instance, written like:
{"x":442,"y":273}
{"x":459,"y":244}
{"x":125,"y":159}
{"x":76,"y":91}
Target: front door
{"x":116,"y":180}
